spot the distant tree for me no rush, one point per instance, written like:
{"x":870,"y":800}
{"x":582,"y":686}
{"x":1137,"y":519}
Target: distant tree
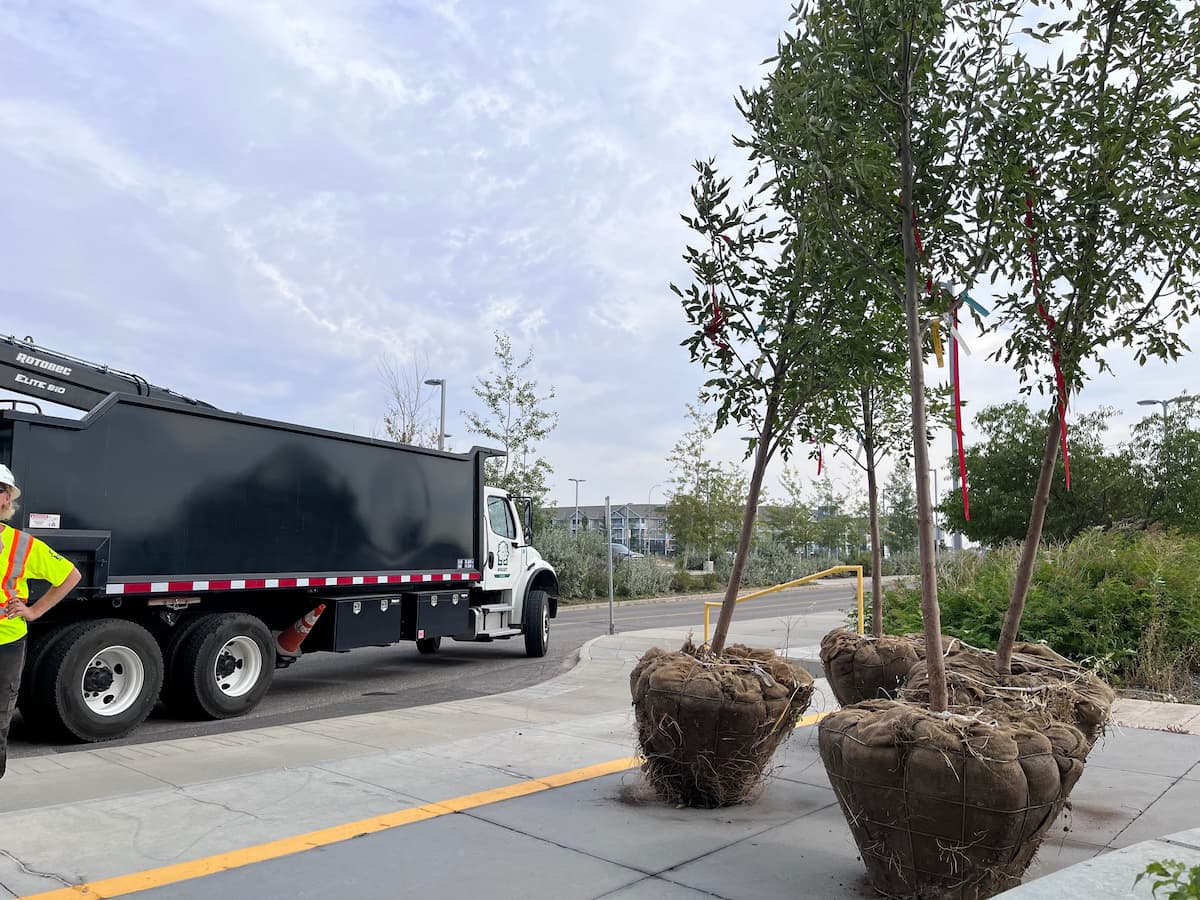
{"x":1105,"y":487}
{"x":516,"y":418}
{"x":706,"y":497}
{"x":1166,"y":452}
{"x":832,"y":522}
{"x":409,"y":417}
{"x":900,"y":528}
{"x":873,"y":421}
{"x":791,"y":520}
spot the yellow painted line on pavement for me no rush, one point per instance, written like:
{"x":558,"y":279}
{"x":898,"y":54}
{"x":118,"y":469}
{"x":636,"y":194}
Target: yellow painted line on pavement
{"x":210,"y":865}
{"x":234,"y":859}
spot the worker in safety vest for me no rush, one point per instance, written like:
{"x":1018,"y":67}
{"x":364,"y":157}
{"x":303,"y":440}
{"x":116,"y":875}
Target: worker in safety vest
{"x":22,"y":557}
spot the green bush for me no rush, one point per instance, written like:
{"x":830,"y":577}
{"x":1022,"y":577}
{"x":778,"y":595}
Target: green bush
{"x":1126,"y":599}
{"x":581,"y":561}
{"x":693,"y":582}
{"x":582,"y":564}
{"x":645,"y":577}
{"x":906,"y":563}
{"x":771,"y":564}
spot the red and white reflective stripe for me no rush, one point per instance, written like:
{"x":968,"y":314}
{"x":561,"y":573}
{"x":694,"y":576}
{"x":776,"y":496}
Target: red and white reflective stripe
{"x":254,"y":584}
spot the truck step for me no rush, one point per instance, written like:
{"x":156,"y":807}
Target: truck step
{"x":489,"y":608}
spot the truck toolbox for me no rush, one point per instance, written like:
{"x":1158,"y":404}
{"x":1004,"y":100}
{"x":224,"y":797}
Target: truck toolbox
{"x":431,"y":614}
{"x":366,"y":621}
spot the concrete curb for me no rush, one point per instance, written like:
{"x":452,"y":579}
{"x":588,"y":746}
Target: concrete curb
{"x":1112,"y":874}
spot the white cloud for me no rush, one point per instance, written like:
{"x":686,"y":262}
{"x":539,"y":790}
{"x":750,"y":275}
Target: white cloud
{"x":333,"y":50}
{"x":273,"y":194}
{"x":56,"y":139}
{"x":482,"y":101}
{"x":48,"y":137}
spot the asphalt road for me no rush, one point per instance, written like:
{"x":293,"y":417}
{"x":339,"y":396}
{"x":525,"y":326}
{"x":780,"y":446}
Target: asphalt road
{"x":370,"y":679}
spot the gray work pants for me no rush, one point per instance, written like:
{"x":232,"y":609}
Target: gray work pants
{"x":12,"y":658}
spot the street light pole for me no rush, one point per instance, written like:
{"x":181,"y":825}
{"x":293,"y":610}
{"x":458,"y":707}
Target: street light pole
{"x":577,"y":480}
{"x":648,"y":503}
{"x":440,"y":382}
{"x":1166,"y":407}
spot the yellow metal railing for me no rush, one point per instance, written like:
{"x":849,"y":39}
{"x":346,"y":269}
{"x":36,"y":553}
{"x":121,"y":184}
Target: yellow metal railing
{"x":791,"y":584}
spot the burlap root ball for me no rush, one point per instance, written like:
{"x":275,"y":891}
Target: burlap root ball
{"x":708,"y":726}
{"x":946,"y":807}
{"x":863,"y":667}
{"x":1043,"y":686}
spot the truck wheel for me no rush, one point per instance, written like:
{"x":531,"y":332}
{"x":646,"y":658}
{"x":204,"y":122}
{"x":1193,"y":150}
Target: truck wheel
{"x":98,"y":681}
{"x":171,"y":643}
{"x":39,"y":645}
{"x":537,"y":624}
{"x":223,"y":667}
{"x":429,"y":645}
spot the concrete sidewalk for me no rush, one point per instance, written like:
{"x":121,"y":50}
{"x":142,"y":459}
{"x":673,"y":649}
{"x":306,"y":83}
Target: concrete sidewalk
{"x":102,"y":813}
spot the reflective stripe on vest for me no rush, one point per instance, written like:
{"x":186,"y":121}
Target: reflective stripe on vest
{"x":18,"y":556}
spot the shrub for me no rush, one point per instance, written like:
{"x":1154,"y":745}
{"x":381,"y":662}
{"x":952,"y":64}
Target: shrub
{"x":644,"y":577}
{"x":581,"y":561}
{"x":582,"y":564}
{"x":771,"y":564}
{"x":1126,"y":599}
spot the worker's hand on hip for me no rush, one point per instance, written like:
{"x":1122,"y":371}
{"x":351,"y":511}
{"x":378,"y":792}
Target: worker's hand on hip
{"x":16,"y":609}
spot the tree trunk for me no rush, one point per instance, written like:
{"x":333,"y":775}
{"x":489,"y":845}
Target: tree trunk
{"x":873,"y":512}
{"x":931,"y":617}
{"x":761,"y":457}
{"x":1033,"y":540}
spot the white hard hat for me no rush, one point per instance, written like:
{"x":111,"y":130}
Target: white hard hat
{"x":6,"y":477}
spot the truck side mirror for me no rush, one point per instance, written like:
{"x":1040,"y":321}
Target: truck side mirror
{"x":527,"y":518}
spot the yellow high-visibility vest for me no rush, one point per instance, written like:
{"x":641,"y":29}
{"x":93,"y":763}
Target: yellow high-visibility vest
{"x":22,"y":557}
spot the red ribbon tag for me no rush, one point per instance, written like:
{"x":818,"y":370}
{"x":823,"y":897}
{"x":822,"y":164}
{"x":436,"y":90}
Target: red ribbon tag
{"x":716,"y":323}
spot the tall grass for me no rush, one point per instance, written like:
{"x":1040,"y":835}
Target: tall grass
{"x":1128,"y":599}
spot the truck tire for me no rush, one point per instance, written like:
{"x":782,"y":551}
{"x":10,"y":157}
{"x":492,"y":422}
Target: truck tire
{"x":171,"y":642}
{"x":537,"y":624}
{"x":98,"y":681}
{"x":36,"y":651}
{"x":429,"y":645}
{"x":223,"y":667}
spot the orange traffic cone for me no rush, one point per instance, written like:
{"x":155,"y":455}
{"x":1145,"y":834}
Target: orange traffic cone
{"x":288,"y":642}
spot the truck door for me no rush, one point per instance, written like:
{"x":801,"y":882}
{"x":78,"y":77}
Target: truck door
{"x":505,"y":561}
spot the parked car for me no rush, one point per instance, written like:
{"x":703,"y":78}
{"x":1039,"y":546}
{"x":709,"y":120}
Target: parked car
{"x":620,"y":552}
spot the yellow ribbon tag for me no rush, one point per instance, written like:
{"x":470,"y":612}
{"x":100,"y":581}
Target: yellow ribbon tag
{"x":936,"y":332}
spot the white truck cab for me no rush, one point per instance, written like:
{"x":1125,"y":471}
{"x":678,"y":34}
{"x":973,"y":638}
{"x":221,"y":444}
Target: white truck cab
{"x":519,"y":586}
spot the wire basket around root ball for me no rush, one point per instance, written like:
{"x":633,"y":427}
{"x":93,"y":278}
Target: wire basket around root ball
{"x":708,"y":725}
{"x":863,"y":667}
{"x":945,"y":806}
{"x":1043,"y":687}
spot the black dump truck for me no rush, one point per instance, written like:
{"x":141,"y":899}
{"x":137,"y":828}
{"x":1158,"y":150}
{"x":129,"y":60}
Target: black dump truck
{"x":211,"y":544}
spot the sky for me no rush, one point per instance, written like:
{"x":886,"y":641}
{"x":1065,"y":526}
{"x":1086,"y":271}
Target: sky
{"x":253,"y":203}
